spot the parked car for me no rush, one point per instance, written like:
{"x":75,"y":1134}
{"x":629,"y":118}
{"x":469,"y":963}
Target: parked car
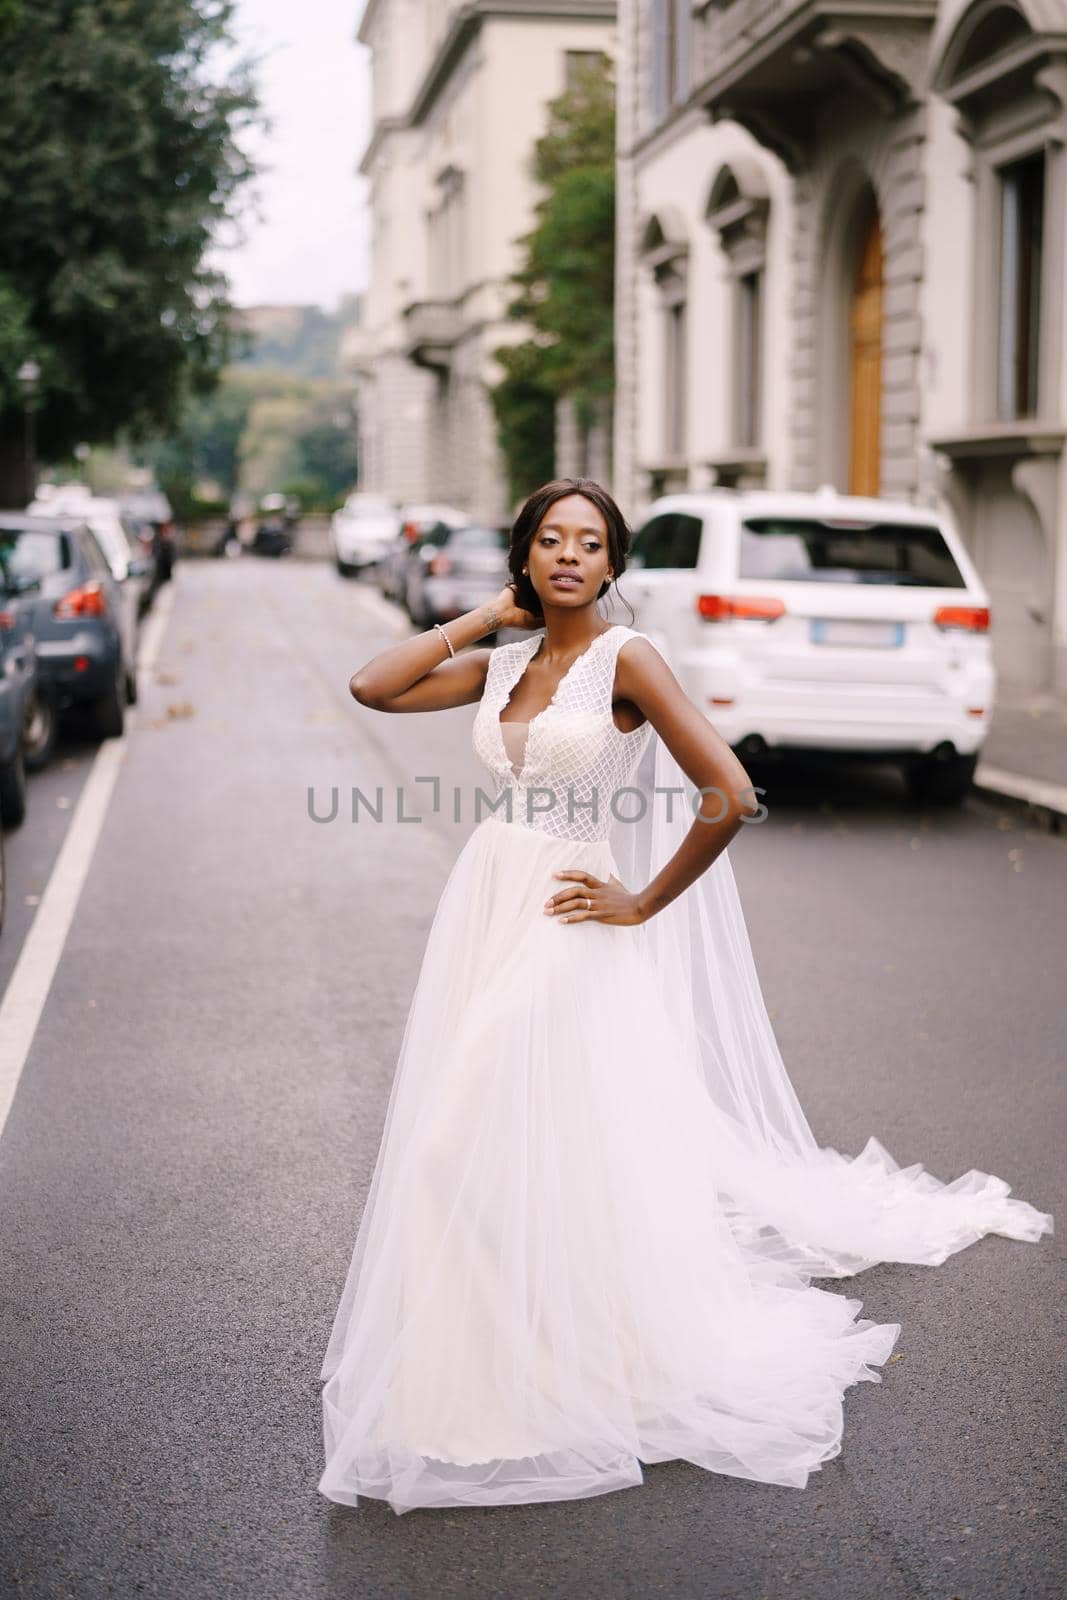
{"x":417,"y":523}
{"x":823,"y":622}
{"x":362,"y":530}
{"x":274,"y":527}
{"x":75,"y":611}
{"x":467,"y":567}
{"x":130,"y":567}
{"x":18,"y":688}
{"x":149,"y":512}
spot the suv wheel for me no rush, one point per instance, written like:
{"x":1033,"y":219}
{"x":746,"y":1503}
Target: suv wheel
{"x":13,"y":791}
{"x":40,"y":726}
{"x":942,"y":782}
{"x":109,"y":709}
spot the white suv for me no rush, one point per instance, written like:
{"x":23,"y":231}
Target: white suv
{"x":823,"y":622}
{"x":362,"y":531}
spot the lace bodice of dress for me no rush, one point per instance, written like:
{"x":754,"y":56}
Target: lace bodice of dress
{"x":563,"y":767}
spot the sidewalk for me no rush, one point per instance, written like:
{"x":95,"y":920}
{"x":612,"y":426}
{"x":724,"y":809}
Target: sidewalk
{"x":1024,"y":758}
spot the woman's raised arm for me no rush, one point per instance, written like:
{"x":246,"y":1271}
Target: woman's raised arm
{"x":411,"y":675}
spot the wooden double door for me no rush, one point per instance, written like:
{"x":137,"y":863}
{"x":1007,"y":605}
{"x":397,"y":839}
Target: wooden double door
{"x":865,"y":365}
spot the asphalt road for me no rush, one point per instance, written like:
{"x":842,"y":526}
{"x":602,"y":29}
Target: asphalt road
{"x":186,"y":1157}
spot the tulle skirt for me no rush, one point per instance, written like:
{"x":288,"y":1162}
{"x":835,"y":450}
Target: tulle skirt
{"x":546,"y":1291}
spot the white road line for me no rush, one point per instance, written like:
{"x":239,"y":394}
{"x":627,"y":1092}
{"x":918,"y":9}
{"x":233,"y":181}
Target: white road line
{"x":27,"y":991}
{"x":1051,"y":795}
{"x":373,"y":604}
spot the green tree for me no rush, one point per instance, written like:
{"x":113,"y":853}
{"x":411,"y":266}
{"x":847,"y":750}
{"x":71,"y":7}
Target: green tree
{"x":525,"y":408}
{"x":119,"y":158}
{"x":259,"y":432}
{"x":565,"y":287}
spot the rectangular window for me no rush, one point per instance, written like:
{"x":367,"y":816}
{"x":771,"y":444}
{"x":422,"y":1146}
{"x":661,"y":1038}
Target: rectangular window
{"x":749,"y":357}
{"x":670,"y":54}
{"x":26,"y":554}
{"x":802,"y":550}
{"x":675,"y":378}
{"x":669,"y":540}
{"x":1022,"y":216}
{"x":578,"y":62}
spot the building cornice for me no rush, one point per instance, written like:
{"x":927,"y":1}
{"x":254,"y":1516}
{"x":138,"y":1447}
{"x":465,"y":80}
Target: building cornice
{"x":382,"y":129}
{"x":465,"y":24}
{"x":1026,"y":436}
{"x":366,"y":20}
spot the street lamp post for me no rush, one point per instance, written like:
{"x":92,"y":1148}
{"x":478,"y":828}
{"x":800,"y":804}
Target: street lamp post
{"x":29,"y":375}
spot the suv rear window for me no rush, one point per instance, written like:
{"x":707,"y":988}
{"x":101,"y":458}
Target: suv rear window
{"x":669,"y":540}
{"x":31,"y":553}
{"x":811,"y":550}
{"x":479,"y":539}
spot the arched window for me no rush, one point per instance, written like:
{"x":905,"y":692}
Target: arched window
{"x":1008,"y":84}
{"x":665,"y":252}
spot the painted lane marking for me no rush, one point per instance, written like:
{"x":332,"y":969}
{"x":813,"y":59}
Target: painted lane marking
{"x":31,"y":980}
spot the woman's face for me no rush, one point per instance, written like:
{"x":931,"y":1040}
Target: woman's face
{"x":571,"y":543}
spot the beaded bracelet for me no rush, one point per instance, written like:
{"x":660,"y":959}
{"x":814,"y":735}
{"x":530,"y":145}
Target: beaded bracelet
{"x":445,"y":637}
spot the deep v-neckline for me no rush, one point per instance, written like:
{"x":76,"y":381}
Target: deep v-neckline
{"x":524,"y":662}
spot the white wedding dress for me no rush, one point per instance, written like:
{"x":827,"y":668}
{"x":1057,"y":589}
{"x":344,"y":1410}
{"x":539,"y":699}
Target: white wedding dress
{"x":597,"y":1208}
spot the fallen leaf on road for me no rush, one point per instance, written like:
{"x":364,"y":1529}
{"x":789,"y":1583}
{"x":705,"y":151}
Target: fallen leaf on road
{"x":181,"y":708}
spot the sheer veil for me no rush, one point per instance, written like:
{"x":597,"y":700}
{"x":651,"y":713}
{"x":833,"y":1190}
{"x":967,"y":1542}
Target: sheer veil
{"x":791,"y":1203}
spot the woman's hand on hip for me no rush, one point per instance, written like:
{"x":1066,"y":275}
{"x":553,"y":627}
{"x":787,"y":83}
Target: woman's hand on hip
{"x":589,"y":899}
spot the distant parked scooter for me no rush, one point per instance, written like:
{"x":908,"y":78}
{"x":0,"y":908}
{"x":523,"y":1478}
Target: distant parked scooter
{"x":274,"y":530}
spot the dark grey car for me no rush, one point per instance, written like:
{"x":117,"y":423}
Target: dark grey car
{"x":74,"y":610}
{"x":18,"y":685}
{"x":460,"y":570}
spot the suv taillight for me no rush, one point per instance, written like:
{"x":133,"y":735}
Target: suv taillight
{"x":721,"y":607}
{"x":975,"y":619}
{"x":88,"y":601}
{"x":7,"y":621}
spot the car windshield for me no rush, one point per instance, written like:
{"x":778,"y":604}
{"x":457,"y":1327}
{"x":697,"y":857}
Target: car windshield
{"x":369,"y":508}
{"x":479,"y":539}
{"x":113,"y":539}
{"x":30,"y":553}
{"x":831,"y":550}
{"x":438,"y":533}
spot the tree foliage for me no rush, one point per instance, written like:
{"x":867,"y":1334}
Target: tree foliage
{"x":259,"y":431}
{"x":119,"y":157}
{"x":281,"y":419}
{"x":565,"y":287}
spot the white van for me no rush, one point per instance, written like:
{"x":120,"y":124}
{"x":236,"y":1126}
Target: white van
{"x":822,"y":622}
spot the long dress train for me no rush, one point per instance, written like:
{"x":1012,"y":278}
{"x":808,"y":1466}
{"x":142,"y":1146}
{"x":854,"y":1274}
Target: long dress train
{"x":597,"y":1208}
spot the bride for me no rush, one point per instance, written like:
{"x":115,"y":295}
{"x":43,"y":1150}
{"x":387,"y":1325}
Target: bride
{"x":597,"y":1208}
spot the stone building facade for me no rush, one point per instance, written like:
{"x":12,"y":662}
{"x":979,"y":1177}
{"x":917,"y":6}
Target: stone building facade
{"x":460,"y":90}
{"x":842,"y":236}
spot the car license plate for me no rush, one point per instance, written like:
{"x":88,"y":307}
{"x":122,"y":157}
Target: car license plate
{"x":855,"y":631}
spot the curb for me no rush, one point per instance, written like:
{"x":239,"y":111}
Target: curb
{"x":1043,"y":802}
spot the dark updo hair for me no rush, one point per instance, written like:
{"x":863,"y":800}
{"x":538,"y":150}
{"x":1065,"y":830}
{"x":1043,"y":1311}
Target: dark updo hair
{"x":531,"y":516}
